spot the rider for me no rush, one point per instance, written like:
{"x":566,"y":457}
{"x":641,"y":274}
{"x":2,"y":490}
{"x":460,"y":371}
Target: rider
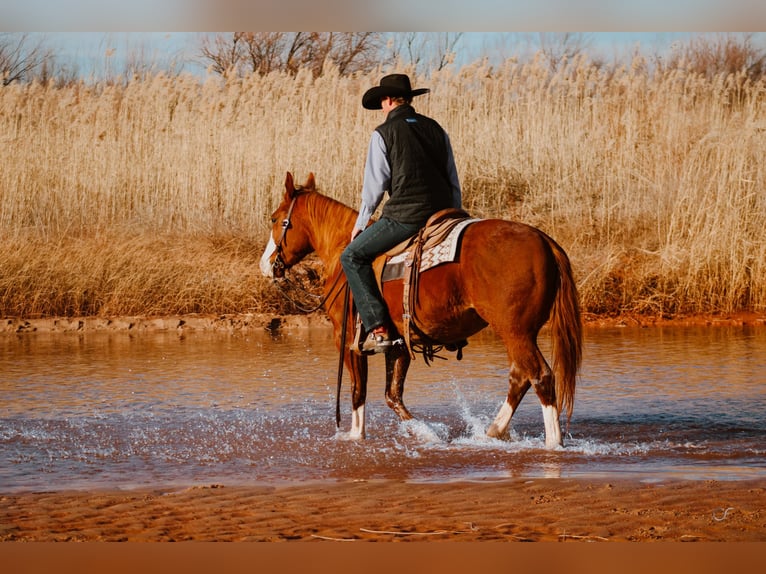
{"x":410,"y":157}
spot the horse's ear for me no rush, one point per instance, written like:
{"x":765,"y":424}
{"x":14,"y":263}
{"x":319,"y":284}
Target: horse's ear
{"x":289,"y":186}
{"x":310,"y":183}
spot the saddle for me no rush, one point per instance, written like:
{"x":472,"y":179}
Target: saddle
{"x":436,"y":229}
{"x":408,"y":259}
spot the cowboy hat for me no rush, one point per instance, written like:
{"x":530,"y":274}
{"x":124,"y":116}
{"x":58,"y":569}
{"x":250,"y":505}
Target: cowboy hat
{"x":391,"y":86}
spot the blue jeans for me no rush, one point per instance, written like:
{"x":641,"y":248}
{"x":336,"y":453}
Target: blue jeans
{"x":357,"y":259}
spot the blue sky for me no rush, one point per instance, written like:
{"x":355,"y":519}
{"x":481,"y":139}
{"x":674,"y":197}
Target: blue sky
{"x":93,"y":52}
{"x":616,"y":27}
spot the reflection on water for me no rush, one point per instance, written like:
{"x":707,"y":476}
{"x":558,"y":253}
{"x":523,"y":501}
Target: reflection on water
{"x":115,"y":410}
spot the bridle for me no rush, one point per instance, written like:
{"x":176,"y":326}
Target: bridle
{"x":279,"y":266}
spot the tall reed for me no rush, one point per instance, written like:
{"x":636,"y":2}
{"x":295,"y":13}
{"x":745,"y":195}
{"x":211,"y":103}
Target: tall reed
{"x":155,"y":193}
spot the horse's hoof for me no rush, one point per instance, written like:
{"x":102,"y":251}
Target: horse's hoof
{"x":348,"y":436}
{"x":495,"y":433}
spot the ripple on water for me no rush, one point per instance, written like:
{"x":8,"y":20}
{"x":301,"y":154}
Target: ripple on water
{"x":112,"y":410}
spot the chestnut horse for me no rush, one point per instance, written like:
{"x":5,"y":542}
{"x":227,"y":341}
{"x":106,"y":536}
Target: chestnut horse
{"x":509,"y":276}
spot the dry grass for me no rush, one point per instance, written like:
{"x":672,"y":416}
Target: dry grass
{"x":124,"y":273}
{"x":153,"y":196}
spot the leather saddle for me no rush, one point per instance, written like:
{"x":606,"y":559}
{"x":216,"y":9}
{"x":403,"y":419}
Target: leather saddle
{"x":438,"y":228}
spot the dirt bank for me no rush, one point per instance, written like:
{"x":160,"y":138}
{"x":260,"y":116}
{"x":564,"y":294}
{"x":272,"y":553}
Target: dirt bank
{"x":273,"y":322}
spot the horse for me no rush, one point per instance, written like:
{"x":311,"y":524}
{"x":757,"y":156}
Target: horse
{"x":509,"y":276}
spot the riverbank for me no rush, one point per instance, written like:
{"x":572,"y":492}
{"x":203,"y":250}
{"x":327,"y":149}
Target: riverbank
{"x":275,"y":322}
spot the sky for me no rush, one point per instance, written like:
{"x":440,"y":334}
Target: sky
{"x":92,"y":53}
{"x":169,"y":30}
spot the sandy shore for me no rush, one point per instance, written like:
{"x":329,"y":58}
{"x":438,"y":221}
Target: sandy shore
{"x":562,"y":510}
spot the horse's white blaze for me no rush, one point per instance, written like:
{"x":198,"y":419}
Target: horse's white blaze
{"x":552,"y":427}
{"x":271,"y":247}
{"x":500,"y":425}
{"x":357,"y":423}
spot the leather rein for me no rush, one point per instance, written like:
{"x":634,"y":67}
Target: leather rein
{"x":279,"y":264}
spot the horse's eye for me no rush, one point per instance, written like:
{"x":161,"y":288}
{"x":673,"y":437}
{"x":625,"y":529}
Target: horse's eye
{"x":273,"y":220}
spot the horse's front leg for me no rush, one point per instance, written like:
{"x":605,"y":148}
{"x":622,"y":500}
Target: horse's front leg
{"x":357,"y":366}
{"x":397,"y":363}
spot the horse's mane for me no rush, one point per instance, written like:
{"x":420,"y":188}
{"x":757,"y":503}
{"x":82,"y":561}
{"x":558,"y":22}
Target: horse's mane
{"x":334,"y":220}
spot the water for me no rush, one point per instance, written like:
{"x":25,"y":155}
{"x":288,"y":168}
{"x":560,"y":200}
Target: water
{"x":112,"y":410}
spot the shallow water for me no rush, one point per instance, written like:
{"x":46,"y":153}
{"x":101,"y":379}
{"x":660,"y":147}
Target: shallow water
{"x":114,"y":410}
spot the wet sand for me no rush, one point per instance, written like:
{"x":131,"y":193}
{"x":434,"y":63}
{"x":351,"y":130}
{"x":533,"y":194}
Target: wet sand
{"x":518,"y":510}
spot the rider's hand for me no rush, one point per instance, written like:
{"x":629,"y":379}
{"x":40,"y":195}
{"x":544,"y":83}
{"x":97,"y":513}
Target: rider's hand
{"x":354,"y":232}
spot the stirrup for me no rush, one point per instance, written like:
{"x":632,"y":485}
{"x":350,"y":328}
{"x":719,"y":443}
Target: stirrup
{"x":356,"y":346}
{"x":379,"y":343}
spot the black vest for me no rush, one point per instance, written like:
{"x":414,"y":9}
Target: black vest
{"x":417,"y":153}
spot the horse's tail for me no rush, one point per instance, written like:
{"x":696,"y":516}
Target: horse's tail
{"x":566,"y":332}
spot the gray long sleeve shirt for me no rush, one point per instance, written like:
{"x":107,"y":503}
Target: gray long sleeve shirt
{"x":377,"y":179}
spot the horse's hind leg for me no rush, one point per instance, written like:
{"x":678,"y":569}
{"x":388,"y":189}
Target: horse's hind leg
{"x":517,"y":388}
{"x":397,"y":363}
{"x":528,"y":368}
{"x":545,"y":387}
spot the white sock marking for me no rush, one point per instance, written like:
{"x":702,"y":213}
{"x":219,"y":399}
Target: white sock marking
{"x":552,"y":427}
{"x":499,"y":426}
{"x":357,"y":423}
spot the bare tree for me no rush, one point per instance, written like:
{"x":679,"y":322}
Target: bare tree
{"x":409,"y":48}
{"x":243,"y":53}
{"x":222,"y":53}
{"x":21,"y":58}
{"x":302,"y":49}
{"x":354,"y":51}
{"x":562,"y":46}
{"x":425,"y":51}
{"x":710,"y":56}
{"x":264,"y":50}
{"x":446,"y":44}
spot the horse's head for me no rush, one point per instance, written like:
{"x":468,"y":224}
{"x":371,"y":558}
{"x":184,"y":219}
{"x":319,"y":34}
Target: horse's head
{"x":289,"y":239}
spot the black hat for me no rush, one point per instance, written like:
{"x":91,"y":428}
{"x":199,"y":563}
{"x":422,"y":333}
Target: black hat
{"x":391,"y":86}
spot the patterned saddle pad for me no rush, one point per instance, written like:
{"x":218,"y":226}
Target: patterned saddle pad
{"x":445,"y":252}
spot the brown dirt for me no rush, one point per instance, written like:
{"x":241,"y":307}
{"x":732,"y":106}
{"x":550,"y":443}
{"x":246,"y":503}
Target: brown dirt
{"x":259,"y":321}
{"x":739,"y":318}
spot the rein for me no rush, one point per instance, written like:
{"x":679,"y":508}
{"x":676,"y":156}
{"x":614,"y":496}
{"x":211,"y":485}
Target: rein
{"x":279,"y":264}
{"x":343,"y":332}
{"x":280,"y":283}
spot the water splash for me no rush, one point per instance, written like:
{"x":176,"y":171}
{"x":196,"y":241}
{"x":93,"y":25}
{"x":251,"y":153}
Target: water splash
{"x":119,"y":411}
{"x":427,"y":433}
